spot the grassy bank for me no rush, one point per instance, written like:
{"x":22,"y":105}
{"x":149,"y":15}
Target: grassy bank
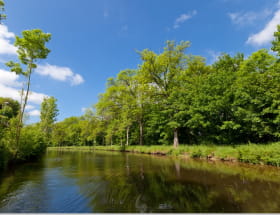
{"x":251,"y":153}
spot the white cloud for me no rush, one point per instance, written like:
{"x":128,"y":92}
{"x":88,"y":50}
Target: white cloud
{"x":60,"y":73}
{"x":183,"y":18}
{"x":266,"y":35}
{"x":6,"y":46}
{"x":36,"y":98}
{"x":10,"y":86}
{"x":9,"y":78}
{"x":77,"y":79}
{"x":248,"y":18}
{"x":29,"y":107}
{"x":14,"y":93}
{"x":34,"y":113}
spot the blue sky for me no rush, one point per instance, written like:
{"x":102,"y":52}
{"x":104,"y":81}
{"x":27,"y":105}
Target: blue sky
{"x":93,"y":40}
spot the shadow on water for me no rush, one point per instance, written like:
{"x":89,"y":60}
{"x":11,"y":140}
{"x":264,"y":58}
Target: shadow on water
{"x":123,"y":182}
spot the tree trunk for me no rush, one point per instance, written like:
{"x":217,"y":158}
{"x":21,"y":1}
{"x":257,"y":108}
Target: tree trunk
{"x":176,"y":140}
{"x":21,"y":114}
{"x":141,"y":133}
{"x":127,"y":135}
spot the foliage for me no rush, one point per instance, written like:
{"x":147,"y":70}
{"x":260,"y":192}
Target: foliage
{"x":30,"y":48}
{"x":2,"y":9}
{"x":170,"y":98}
{"x":19,"y":142}
{"x":48,"y":116}
{"x":9,"y":109}
{"x":176,"y":97}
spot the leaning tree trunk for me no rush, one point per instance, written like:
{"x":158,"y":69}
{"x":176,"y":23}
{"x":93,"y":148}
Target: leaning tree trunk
{"x":176,"y":139}
{"x":19,"y":125}
{"x":127,"y":135}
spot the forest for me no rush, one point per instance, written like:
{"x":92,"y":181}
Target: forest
{"x":176,"y":98}
{"x":170,"y":98}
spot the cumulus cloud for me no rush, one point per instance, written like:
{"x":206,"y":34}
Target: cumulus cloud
{"x":14,"y":93}
{"x":10,"y":86}
{"x":6,"y":46}
{"x":9,"y":78}
{"x":60,"y":73}
{"x":34,"y":113}
{"x":248,"y":18}
{"x":29,"y":107}
{"x":183,"y":18}
{"x":266,"y":34}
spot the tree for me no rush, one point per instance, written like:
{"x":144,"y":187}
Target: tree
{"x":257,"y":97}
{"x":2,"y":14}
{"x":49,"y":112}
{"x":9,"y":109}
{"x":161,"y":71}
{"x":31,"y":48}
{"x":276,"y":42}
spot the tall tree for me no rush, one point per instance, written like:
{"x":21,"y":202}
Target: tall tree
{"x":162,"y":71}
{"x":49,"y":112}
{"x":31,"y":48}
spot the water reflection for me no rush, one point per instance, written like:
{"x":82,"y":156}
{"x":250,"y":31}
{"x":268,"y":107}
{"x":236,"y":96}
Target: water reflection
{"x":123,"y":182}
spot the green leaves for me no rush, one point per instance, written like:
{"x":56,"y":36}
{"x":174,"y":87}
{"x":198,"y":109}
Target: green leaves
{"x":2,"y":15}
{"x":31,"y":46}
{"x":48,"y":115}
{"x":174,"y":95}
{"x":276,"y":42}
{"x":16,"y":67}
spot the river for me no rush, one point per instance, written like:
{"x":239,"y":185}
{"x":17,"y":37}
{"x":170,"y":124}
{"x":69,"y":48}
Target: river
{"x":68,"y":181}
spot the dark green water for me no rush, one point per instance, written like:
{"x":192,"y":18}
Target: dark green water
{"x":123,"y":182}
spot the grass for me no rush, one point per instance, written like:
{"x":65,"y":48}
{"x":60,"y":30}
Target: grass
{"x":250,"y":153}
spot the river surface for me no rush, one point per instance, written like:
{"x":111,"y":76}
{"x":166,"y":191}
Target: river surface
{"x":67,"y":181}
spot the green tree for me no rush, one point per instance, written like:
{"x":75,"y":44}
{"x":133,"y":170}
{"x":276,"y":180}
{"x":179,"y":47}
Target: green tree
{"x":162,"y":71}
{"x":2,"y":9}
{"x":31,"y":48}
{"x":48,"y":115}
{"x":9,"y":108}
{"x":257,"y":97}
{"x":276,"y":42}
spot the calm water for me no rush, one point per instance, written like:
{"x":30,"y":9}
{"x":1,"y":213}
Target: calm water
{"x":123,"y":182}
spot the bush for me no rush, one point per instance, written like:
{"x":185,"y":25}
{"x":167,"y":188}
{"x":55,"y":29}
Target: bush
{"x":32,"y":143}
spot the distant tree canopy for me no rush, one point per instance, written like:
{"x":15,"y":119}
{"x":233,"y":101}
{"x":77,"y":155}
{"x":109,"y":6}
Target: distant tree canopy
{"x":174,"y":97}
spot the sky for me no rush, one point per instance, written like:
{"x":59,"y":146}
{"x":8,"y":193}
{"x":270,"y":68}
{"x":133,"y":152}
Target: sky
{"x":93,"y":40}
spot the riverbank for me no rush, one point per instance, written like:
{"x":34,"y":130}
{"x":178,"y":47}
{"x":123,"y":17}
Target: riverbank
{"x":268,"y":154}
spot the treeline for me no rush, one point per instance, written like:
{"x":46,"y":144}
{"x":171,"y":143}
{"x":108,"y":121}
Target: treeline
{"x":174,"y":97}
{"x":34,"y":138}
